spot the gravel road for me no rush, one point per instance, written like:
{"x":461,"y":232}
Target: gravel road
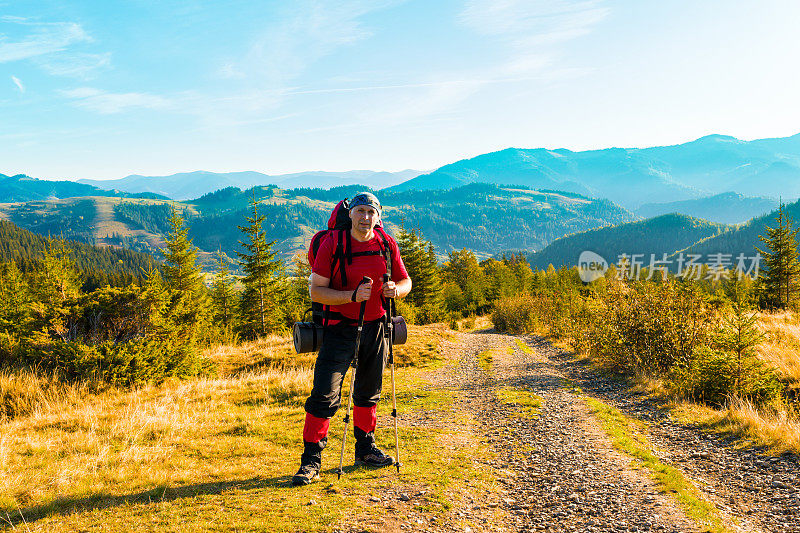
{"x":560,"y":472}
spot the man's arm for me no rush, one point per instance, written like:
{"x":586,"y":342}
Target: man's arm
{"x":397,"y":290}
{"x":321,"y":293}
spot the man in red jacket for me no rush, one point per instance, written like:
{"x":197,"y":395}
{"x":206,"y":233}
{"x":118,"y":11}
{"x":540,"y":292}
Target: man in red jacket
{"x":366,"y":259}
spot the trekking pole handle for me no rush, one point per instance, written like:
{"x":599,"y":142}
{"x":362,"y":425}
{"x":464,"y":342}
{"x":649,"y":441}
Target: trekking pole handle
{"x":363,"y":308}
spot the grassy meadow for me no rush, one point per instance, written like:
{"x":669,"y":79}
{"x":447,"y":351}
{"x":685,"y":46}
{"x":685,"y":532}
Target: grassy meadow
{"x":217,"y":453}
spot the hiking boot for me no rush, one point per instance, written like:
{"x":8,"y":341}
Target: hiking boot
{"x":373,"y":457}
{"x":310,"y":463}
{"x":307,"y":474}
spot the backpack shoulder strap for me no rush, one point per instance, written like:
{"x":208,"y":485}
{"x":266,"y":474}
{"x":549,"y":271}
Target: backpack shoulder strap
{"x":386,"y":249}
{"x":339,"y":254}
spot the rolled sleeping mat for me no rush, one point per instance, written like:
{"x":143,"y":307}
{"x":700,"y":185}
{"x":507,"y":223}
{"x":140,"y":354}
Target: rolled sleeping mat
{"x":308,"y":336}
{"x":399,"y":330}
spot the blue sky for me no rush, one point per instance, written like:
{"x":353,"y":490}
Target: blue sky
{"x":104,"y":89}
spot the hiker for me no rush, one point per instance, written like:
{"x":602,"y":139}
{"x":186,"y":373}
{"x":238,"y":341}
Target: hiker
{"x":367,"y":254}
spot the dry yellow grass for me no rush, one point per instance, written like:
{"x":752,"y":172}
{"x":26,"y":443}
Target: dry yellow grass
{"x":779,"y":430}
{"x":781,"y":347}
{"x":23,"y":392}
{"x":126,"y":441}
{"x":267,"y":352}
{"x":120,"y":457}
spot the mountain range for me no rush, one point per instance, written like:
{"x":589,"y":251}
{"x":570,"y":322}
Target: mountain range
{"x":634,"y":176}
{"x":187,"y":185}
{"x":660,"y":235}
{"x":552,"y":202}
{"x":22,"y":188}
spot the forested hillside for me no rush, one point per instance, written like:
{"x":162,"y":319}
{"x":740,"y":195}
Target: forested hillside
{"x":660,"y":235}
{"x":99,"y":265}
{"x":484,"y":218}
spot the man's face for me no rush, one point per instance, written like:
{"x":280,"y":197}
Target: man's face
{"x":364,"y":218}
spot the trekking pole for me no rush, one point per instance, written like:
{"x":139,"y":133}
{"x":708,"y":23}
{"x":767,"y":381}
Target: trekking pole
{"x":339,"y":472}
{"x":389,"y":336}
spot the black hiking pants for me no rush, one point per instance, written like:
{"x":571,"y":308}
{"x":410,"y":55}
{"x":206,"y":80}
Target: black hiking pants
{"x":336,"y":355}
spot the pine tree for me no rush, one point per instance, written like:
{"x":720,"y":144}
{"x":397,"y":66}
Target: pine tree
{"x":55,"y":285}
{"x":782,"y":276}
{"x":154,"y":304}
{"x":739,"y":334}
{"x":15,"y":300}
{"x":419,"y":258}
{"x":259,"y":304}
{"x":223,"y":294}
{"x":189,"y":296}
{"x":298,"y":299}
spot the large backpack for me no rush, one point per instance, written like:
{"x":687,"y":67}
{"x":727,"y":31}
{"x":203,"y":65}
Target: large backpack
{"x":339,"y":225}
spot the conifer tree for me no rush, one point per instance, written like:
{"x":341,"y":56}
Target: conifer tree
{"x":56,"y":284}
{"x":419,"y":258}
{"x":298,"y":299}
{"x":155,"y":302}
{"x":182,"y":277}
{"x":782,"y":276}
{"x":15,"y":300}
{"x":739,"y":334}
{"x":259,"y":304}
{"x":223,"y":294}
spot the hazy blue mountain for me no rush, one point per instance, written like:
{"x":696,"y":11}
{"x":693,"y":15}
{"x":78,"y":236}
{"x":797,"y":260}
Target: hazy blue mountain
{"x":186,"y":185}
{"x":325,"y":180}
{"x":22,"y":188}
{"x":660,"y":235}
{"x":725,"y":208}
{"x":635,"y":176}
{"x":743,"y":239}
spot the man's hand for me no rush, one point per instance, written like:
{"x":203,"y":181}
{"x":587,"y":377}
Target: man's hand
{"x":364,"y":291}
{"x":390,"y":289}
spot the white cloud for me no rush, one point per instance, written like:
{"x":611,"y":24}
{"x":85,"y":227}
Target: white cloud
{"x":42,"y":38}
{"x":108,"y":103}
{"x":50,"y":46}
{"x":309,"y":31}
{"x":19,"y":84}
{"x":526,"y":21}
{"x":75,"y":65}
{"x":532,"y":29}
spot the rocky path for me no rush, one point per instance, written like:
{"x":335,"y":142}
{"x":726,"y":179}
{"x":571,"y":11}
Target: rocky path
{"x":560,"y":472}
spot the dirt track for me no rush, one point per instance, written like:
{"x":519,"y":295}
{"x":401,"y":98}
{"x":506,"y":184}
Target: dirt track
{"x":560,"y":472}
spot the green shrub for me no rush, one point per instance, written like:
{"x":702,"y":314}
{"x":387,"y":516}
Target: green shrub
{"x":650,"y":327}
{"x":129,"y":363}
{"x":407,"y":311}
{"x":713,"y":376}
{"x":515,"y":315}
{"x":453,"y":321}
